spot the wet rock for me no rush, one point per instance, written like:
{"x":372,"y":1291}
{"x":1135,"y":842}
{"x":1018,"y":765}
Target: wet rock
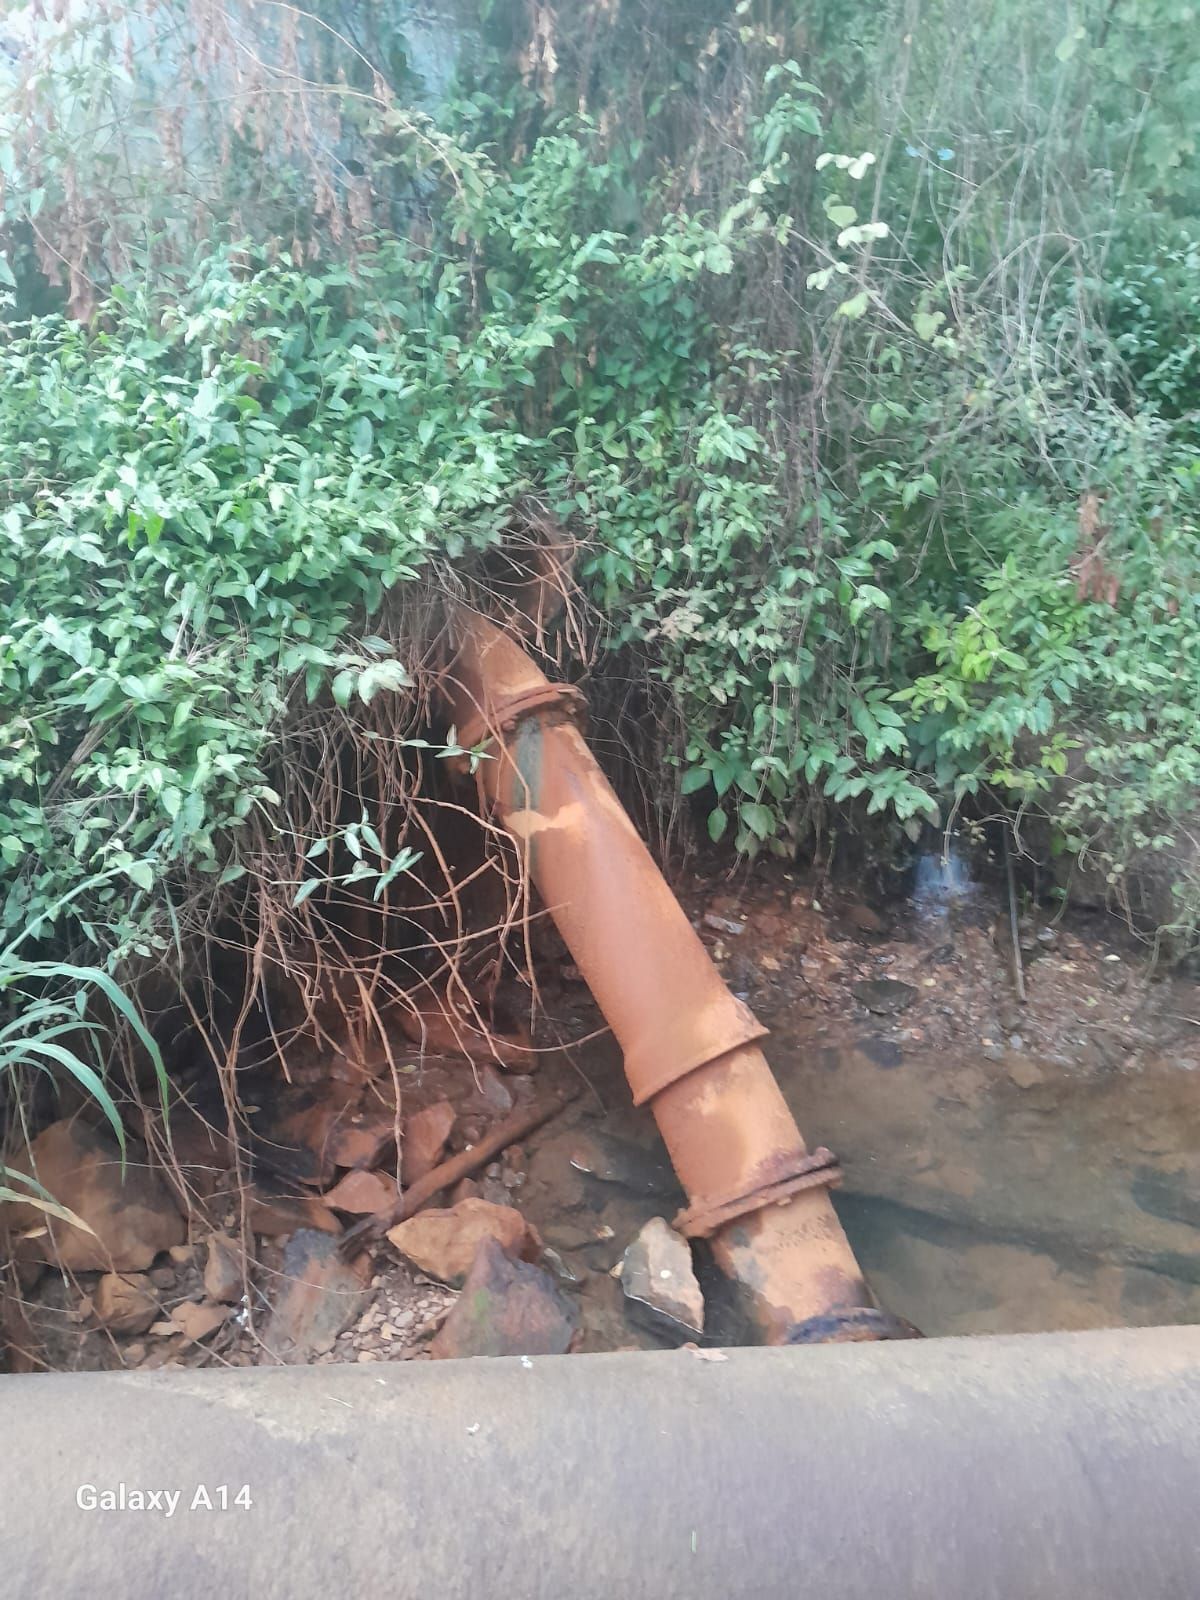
{"x":198,"y":1319}
{"x":274,"y":1215}
{"x":444,"y":1243}
{"x":425,"y":1136}
{"x":319,"y":1296}
{"x":124,"y":1304}
{"x":507,"y":1308}
{"x":224,"y":1272}
{"x":132,"y":1218}
{"x":658,"y":1278}
{"x":558,"y":1266}
{"x":884,"y":996}
{"x":568,"y":1235}
{"x":619,"y":1161}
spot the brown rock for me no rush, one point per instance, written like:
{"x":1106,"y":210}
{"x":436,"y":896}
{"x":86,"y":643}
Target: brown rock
{"x":464,"y":1189}
{"x":362,"y":1144}
{"x":163,"y":1277}
{"x":194,"y":1141}
{"x":425,"y":1136}
{"x":864,"y":918}
{"x":198,"y":1319}
{"x":362,"y":1193}
{"x":132,"y":1218}
{"x":443,"y":1243}
{"x":124,"y":1304}
{"x":1025,"y":1073}
{"x":182,"y":1254}
{"x":224,"y":1272}
{"x":507,"y":1308}
{"x":273,"y":1215}
{"x":319,"y":1296}
{"x":293,"y":1129}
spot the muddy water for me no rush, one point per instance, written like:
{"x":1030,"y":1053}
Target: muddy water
{"x":1008,"y":1167}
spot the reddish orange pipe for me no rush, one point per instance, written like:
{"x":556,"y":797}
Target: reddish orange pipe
{"x":690,"y":1047}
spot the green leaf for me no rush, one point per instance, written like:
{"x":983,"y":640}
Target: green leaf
{"x":390,"y":675}
{"x":718,"y":258}
{"x":362,"y":436}
{"x":927,"y":323}
{"x":757,"y":818}
{"x":142,"y":873}
{"x":854,"y":307}
{"x":717,"y":824}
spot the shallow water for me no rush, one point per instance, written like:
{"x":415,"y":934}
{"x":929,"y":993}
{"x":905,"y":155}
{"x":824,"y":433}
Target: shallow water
{"x":1007,"y":1168}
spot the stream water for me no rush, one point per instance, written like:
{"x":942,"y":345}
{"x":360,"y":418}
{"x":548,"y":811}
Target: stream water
{"x":1008,"y":1167}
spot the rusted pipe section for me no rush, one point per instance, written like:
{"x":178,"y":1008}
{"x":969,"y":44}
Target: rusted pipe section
{"x":691,"y":1049}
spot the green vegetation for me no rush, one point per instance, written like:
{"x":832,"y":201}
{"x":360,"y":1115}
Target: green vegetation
{"x":859,"y":352}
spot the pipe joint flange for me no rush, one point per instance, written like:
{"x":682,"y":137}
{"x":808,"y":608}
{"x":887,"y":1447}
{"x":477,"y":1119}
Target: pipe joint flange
{"x":858,"y":1325}
{"x":817,"y":1170}
{"x":482,"y":729}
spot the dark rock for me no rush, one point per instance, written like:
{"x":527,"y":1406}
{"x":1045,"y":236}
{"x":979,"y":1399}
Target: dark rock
{"x":319,"y":1296}
{"x":658,"y":1277}
{"x":884,"y":996}
{"x":291,"y":1133}
{"x":496,"y":1096}
{"x":618,"y":1161}
{"x":506,"y":1308}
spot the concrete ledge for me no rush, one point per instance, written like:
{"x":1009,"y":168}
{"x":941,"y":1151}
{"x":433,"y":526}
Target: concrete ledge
{"x":1055,"y":1466}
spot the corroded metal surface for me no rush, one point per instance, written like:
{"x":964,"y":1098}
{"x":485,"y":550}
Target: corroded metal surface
{"x":690,"y":1046}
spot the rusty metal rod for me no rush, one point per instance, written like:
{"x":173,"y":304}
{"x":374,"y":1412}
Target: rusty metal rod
{"x":691,"y":1048}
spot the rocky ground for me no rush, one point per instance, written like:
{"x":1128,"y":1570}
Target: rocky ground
{"x":1009,"y":1163}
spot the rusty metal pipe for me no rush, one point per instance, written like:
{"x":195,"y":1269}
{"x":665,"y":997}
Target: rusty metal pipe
{"x":691,"y":1048}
